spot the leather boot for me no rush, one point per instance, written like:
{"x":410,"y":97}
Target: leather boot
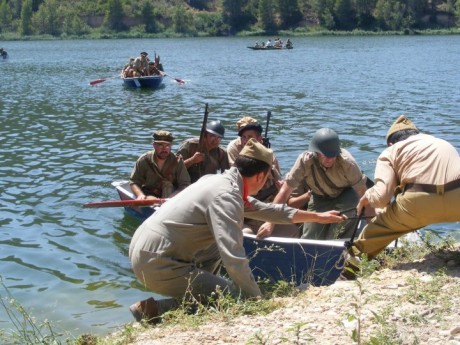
{"x":146,"y":310}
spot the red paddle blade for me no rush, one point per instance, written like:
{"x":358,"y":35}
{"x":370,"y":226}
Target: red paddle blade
{"x":97,"y":81}
{"x":123,"y":203}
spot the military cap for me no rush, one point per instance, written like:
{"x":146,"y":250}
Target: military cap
{"x":162,"y":136}
{"x":144,"y":53}
{"x":255,"y":150}
{"x":248,"y":122}
{"x":401,"y":123}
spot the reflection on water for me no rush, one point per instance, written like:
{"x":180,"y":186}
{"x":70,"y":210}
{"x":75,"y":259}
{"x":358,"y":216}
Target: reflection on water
{"x":63,"y":142}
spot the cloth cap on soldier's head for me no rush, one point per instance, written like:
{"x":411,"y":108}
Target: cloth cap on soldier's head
{"x":255,"y":150}
{"x":248,"y":122}
{"x":162,"y":136}
{"x":144,"y":54}
{"x":401,"y":123}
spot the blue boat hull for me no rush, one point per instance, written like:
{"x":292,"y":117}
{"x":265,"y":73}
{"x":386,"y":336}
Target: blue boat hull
{"x":295,"y":260}
{"x":152,"y":82}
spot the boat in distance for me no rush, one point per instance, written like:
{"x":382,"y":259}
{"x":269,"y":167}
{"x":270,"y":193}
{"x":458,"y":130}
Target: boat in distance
{"x":152,"y":81}
{"x":300,"y":261}
{"x":269,"y":48}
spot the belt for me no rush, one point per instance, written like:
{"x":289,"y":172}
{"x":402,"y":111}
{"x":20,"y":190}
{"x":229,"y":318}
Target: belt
{"x":432,"y":188}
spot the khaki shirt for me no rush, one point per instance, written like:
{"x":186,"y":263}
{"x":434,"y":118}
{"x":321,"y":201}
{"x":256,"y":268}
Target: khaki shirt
{"x":215,"y":160}
{"x":420,"y":158}
{"x":209,"y":212}
{"x":345,"y":173}
{"x":233,"y":150}
{"x":151,"y":179}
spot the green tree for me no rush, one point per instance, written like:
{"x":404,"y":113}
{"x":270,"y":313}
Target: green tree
{"x":183,"y":20}
{"x":457,"y":12}
{"x":344,"y":14}
{"x":389,"y":13}
{"x":114,"y":15}
{"x":6,"y":16}
{"x":265,"y":16}
{"x":364,"y":13}
{"x":232,"y":13}
{"x":26,"y":18}
{"x":46,"y":19}
{"x":289,"y":13}
{"x":148,"y":17}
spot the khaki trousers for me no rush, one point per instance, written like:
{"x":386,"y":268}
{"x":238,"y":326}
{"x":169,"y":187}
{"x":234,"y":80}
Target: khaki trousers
{"x":409,"y":212}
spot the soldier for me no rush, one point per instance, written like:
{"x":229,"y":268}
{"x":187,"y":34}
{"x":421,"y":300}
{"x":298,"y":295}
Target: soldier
{"x":159,"y":173}
{"x":210,"y":158}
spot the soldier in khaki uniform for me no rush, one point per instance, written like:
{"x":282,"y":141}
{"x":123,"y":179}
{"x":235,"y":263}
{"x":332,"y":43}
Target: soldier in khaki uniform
{"x":210,"y":158}
{"x":248,"y":128}
{"x":335,"y":180}
{"x":159,"y":173}
{"x":424,"y":173}
{"x":178,"y":251}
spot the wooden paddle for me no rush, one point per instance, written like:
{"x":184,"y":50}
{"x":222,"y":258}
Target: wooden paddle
{"x":101,"y":80}
{"x":123,"y":203}
{"x":180,"y":81}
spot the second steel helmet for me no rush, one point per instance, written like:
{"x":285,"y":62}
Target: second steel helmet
{"x":216,"y":128}
{"x":325,"y":141}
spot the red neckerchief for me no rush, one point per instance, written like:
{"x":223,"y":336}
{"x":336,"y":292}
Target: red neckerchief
{"x":245,"y":193}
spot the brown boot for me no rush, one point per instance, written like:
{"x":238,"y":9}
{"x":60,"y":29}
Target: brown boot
{"x":146,"y":310}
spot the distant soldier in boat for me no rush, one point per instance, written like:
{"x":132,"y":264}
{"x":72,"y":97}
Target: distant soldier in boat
{"x":159,"y":173}
{"x":249,"y":128}
{"x":155,"y":67}
{"x":417,"y":183}
{"x":128,"y":69}
{"x":210,"y":158}
{"x":278,"y":43}
{"x":257,"y":45}
{"x":3,"y":53}
{"x":289,"y":44}
{"x":180,"y":250}
{"x":335,"y":180}
{"x":141,"y":65}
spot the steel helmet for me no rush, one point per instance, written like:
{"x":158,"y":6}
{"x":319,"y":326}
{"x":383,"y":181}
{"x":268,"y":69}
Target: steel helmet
{"x":325,"y":141}
{"x":216,"y":128}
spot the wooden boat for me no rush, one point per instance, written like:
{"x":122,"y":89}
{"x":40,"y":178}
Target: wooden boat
{"x":295,"y":260}
{"x":270,"y":48}
{"x":153,"y":81}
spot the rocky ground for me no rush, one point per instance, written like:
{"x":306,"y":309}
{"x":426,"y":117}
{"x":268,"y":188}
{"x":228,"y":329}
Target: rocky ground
{"x":415,"y":303}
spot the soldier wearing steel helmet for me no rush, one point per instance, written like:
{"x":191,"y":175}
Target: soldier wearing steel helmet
{"x":211,"y":158}
{"x":335,"y":180}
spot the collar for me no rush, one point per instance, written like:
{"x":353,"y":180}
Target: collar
{"x":245,"y":193}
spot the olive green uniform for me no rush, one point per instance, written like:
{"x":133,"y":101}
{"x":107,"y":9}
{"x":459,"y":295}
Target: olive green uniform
{"x":332,"y":189}
{"x":162,"y":183}
{"x":216,"y":160}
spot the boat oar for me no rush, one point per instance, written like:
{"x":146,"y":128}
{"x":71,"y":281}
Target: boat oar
{"x":101,"y":80}
{"x":124,"y":203}
{"x":180,"y":81}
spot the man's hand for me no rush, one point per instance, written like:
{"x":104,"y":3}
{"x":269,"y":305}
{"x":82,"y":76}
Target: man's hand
{"x":198,"y":157}
{"x":330,"y":217}
{"x":265,"y":230}
{"x":363,"y":202}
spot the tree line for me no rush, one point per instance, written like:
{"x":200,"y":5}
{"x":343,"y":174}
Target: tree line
{"x":63,"y":18}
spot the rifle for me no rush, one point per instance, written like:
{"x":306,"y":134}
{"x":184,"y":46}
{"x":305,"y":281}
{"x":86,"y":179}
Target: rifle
{"x":203,"y":128}
{"x":266,"y":139}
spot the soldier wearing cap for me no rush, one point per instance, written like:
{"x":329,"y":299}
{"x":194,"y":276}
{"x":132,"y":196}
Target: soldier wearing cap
{"x":178,"y":251}
{"x":210,"y":158}
{"x":248,"y":128}
{"x":335,"y":180}
{"x":141,"y":65}
{"x":424,"y":173}
{"x":159,"y":173}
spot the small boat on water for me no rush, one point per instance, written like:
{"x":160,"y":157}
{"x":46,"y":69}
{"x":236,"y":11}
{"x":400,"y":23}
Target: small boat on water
{"x":270,"y":48}
{"x":295,"y":260}
{"x":153,"y":81}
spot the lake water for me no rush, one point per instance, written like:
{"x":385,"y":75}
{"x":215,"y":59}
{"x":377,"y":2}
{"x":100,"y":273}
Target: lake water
{"x":63,"y":142}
